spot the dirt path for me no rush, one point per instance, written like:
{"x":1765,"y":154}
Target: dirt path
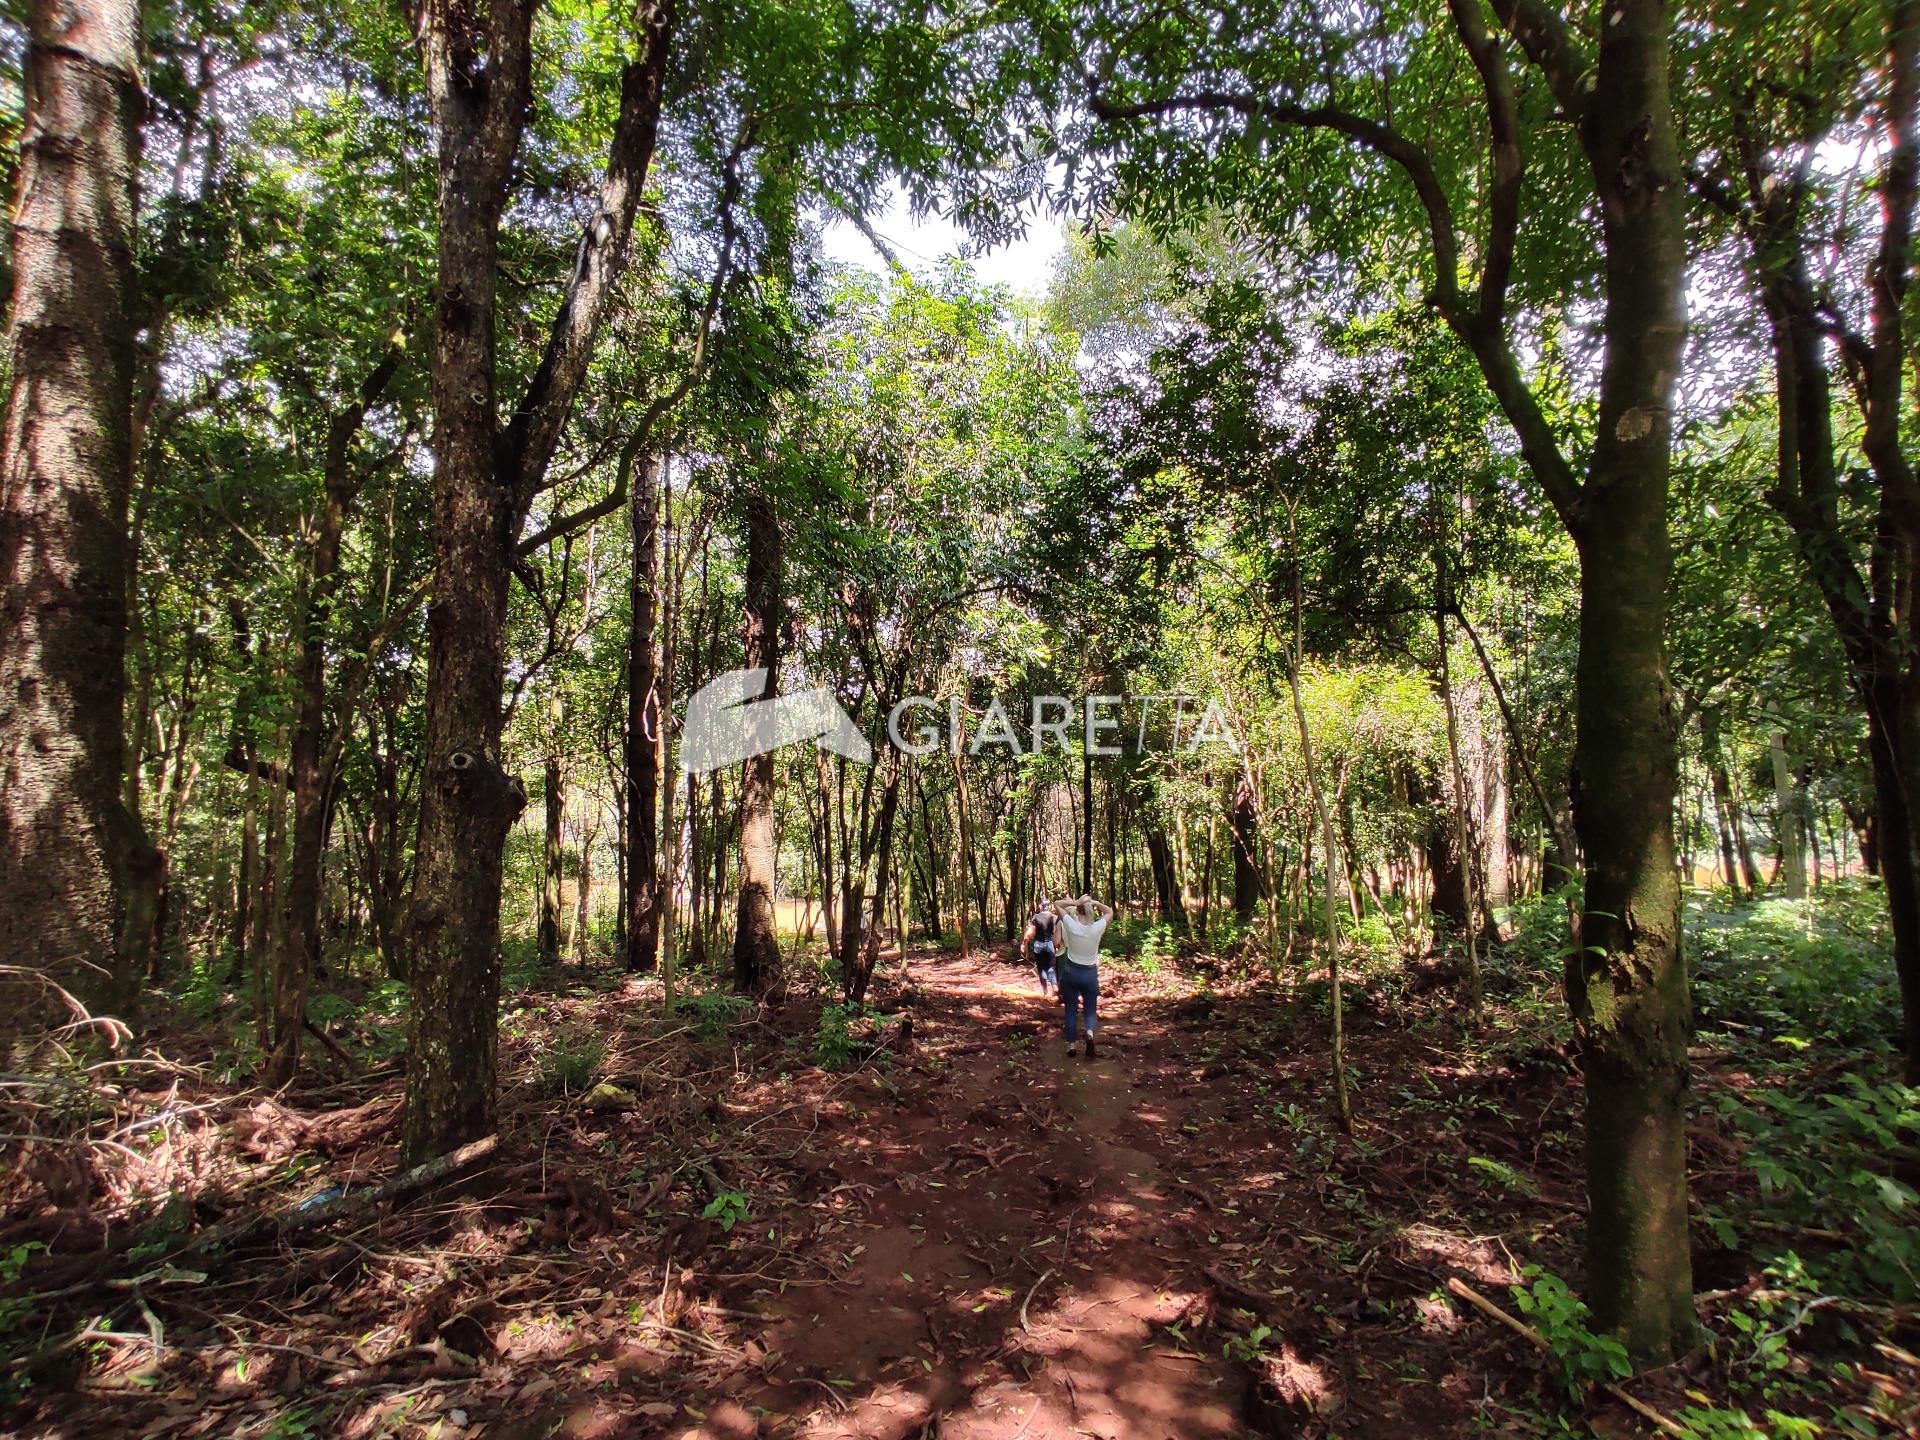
{"x":1013,"y":1246}
{"x":983,"y":1236}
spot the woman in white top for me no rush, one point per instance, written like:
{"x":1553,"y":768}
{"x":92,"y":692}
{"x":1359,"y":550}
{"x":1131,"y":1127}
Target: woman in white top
{"x":1083,"y":922}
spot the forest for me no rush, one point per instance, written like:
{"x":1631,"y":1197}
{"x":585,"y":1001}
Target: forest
{"x":564,"y":660}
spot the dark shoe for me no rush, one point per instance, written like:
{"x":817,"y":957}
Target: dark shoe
{"x":1090,"y":1054}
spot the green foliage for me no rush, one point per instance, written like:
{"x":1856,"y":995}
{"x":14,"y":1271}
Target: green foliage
{"x":1504,"y":1176}
{"x":1828,"y":1162}
{"x":1538,"y":947}
{"x":1800,"y":972}
{"x":835,"y":1044}
{"x":1714,"y":1423}
{"x":568,"y":1062}
{"x":1580,"y":1357}
{"x":1250,"y":1347}
{"x":713,"y":1011}
{"x":13,"y":1261}
{"x":1156,"y":948}
{"x":729,"y":1208}
{"x":1373,"y":939}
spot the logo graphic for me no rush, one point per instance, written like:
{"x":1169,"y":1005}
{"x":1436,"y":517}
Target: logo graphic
{"x":727,"y":722}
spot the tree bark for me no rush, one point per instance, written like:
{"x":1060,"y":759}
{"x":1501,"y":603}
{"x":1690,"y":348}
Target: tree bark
{"x":1463,"y":829}
{"x":1789,"y":825}
{"x":583,"y":897}
{"x":478,"y":83}
{"x":69,"y":848}
{"x":312,"y":777}
{"x":1490,"y":767}
{"x":756,"y":943}
{"x":1166,"y":884}
{"x":1626,"y":980}
{"x":643,"y":724}
{"x":1246,"y":871}
{"x":1872,"y":606}
{"x":553,"y":811}
{"x":1737,"y":863}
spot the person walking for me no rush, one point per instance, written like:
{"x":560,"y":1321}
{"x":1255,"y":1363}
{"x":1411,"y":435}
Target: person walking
{"x":1041,"y":945}
{"x":1083,"y":922}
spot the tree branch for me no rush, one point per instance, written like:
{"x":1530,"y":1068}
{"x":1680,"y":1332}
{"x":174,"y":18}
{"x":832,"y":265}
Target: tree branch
{"x":1503,"y":195}
{"x":1899,"y":181}
{"x":643,"y":430}
{"x":1383,"y":140}
{"x":1544,"y":34}
{"x":1484,"y":337}
{"x":534,"y":431}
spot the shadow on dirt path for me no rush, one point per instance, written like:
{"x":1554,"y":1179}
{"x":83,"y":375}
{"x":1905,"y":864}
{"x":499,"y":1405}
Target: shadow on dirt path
{"x":977,"y":1235}
{"x":1016,"y":1254}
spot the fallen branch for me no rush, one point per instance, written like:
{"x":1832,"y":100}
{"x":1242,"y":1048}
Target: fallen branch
{"x":1029,"y":1300}
{"x":304,"y":1216}
{"x":353,"y":1066}
{"x":1519,"y":1327}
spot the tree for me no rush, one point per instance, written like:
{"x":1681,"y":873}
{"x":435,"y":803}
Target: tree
{"x":643,"y":731}
{"x":756,"y":941}
{"x":70,"y":847}
{"x":478,"y":64}
{"x":1176,"y":121}
{"x":1788,"y":87}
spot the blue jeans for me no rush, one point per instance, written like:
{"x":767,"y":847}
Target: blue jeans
{"x":1079,"y":987}
{"x":1043,"y":965}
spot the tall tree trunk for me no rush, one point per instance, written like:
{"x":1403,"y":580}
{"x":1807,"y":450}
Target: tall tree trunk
{"x":246,"y":881}
{"x":1626,"y":979}
{"x":643,"y":724}
{"x":1086,"y":823}
{"x":268,"y":916}
{"x":1789,"y":827}
{"x":478,"y":83}
{"x":299,"y":938}
{"x":583,"y":896}
{"x":1166,"y":884}
{"x":1731,"y":831}
{"x":756,"y":943}
{"x":553,"y":811}
{"x":1872,"y":605}
{"x":1246,"y":871}
{"x":68,"y":845}
{"x":1490,"y":767}
{"x":1462,"y":809}
{"x":962,"y":858}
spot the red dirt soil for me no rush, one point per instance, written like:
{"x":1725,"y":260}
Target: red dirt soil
{"x":987,"y":1237}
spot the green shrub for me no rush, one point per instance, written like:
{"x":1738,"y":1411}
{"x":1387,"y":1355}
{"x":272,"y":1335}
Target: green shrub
{"x":1156,"y":948}
{"x":729,"y":1207}
{"x":1373,"y":939}
{"x":569,"y":1062}
{"x":835,"y":1043}
{"x":1580,"y":1357}
{"x":1540,"y":941}
{"x":1828,"y":1162}
{"x":711,"y":1014}
{"x":1762,"y":970}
